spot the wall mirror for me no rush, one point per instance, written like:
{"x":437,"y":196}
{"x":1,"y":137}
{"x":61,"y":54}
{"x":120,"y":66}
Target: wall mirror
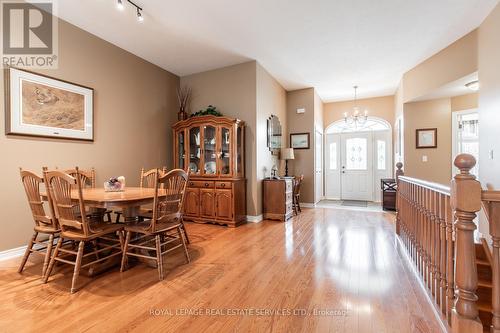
{"x":274,"y":135}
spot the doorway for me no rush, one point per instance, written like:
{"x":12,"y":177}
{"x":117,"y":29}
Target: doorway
{"x":465,"y":136}
{"x":318,"y":167}
{"x":356,"y":160}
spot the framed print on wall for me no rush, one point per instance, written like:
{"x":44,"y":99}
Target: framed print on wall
{"x":39,"y":105}
{"x":426,"y":138}
{"x":299,"y":140}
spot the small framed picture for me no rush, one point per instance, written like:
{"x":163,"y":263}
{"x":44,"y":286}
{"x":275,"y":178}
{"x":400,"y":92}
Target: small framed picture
{"x":426,"y":138}
{"x":299,"y":140}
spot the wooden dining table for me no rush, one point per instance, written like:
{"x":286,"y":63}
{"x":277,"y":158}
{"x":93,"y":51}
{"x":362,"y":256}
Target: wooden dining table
{"x":129,"y":201}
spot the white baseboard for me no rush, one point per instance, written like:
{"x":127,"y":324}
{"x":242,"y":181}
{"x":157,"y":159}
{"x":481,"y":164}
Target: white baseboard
{"x":255,"y":218}
{"x":12,"y":253}
{"x":307,"y":204}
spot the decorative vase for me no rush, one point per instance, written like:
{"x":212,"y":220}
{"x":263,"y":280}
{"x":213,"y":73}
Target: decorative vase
{"x":182,"y":115}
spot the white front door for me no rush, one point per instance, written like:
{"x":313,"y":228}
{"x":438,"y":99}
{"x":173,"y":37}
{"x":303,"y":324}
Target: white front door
{"x":357,"y":166}
{"x":318,"y":167}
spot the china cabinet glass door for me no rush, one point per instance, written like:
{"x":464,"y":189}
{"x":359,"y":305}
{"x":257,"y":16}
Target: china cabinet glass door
{"x":209,"y":150}
{"x":194,"y":150}
{"x":225,"y":151}
{"x":181,"y":153}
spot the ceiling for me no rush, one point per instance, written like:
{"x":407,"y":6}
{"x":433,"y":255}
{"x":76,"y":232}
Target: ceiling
{"x":326,"y":44}
{"x":452,"y":89}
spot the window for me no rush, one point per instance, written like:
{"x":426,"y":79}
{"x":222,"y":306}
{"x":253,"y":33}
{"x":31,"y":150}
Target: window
{"x":381,"y":155}
{"x":333,"y":156}
{"x":356,"y":154}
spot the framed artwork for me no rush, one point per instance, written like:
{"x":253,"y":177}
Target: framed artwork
{"x":299,"y":140}
{"x":426,"y":138}
{"x":39,"y":105}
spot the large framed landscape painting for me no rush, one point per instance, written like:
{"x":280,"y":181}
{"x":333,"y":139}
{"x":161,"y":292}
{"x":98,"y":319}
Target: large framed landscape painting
{"x":38,"y":105}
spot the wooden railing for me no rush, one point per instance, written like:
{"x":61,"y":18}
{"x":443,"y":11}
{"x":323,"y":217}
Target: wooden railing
{"x":436,"y":225}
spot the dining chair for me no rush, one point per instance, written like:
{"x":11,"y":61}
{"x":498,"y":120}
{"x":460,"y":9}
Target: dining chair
{"x":165,"y":227}
{"x":297,"y":181}
{"x":45,"y":224}
{"x":77,"y":227}
{"x":88,"y":180}
{"x":146,"y":180}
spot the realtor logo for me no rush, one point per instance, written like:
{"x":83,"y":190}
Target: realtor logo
{"x":29,"y":34}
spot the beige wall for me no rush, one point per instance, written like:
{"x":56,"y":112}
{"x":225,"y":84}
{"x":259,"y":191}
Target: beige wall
{"x":233,"y":91}
{"x":428,"y":114}
{"x":302,"y":123}
{"x":464,"y":102}
{"x":271,"y":100}
{"x":452,"y":63}
{"x":134,"y":105}
{"x":381,"y":107}
{"x":489,"y":100}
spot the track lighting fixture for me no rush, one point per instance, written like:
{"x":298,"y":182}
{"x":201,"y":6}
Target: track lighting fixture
{"x":120,"y":6}
{"x":140,"y":18}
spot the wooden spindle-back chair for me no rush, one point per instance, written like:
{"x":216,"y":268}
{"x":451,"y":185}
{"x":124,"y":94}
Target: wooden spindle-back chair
{"x":44,"y":223}
{"x":77,"y":227}
{"x":166,"y":226}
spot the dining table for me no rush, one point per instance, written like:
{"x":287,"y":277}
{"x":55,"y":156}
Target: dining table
{"x":128,"y":201}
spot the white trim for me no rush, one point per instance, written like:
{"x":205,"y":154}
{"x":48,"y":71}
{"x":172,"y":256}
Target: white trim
{"x":12,"y":253}
{"x":308,"y":204}
{"x":255,"y":218}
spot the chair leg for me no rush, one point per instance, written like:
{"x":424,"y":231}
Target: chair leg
{"x":185,"y":233}
{"x":124,"y":254}
{"x":181,"y":235}
{"x":78,"y":264}
{"x":298,"y":205}
{"x":52,"y":260}
{"x":159,"y":259}
{"x":28,"y":252}
{"x":48,"y":254}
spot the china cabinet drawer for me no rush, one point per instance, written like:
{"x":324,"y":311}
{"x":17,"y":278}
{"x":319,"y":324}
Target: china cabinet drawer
{"x":201,"y":184}
{"x":223,"y":184}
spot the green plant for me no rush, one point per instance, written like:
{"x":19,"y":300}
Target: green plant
{"x":209,"y":111}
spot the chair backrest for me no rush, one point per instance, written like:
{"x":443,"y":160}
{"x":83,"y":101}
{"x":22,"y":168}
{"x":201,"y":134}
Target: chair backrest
{"x":169,"y":200}
{"x":31,"y":183}
{"x":60,"y":185}
{"x":87,"y":177}
{"x":297,"y":181}
{"x":148,"y":177}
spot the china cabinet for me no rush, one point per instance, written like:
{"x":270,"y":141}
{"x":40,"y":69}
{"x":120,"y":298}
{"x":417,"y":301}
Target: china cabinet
{"x":212,"y":150}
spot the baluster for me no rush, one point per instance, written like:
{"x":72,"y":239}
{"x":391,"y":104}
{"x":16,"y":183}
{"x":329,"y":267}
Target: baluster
{"x":465,"y":201}
{"x":426,"y":237}
{"x":442,"y":252}
{"x":434,"y":244}
{"x":450,"y":254}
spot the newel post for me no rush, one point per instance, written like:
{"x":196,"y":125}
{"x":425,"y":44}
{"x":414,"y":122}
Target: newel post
{"x":399,"y":172}
{"x":465,"y":202}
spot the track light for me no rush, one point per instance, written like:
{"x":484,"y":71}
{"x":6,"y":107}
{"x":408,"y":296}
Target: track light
{"x":474,"y":85}
{"x":119,"y":5}
{"x":140,"y":18}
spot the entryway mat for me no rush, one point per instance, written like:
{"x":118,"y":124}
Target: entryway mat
{"x":355,"y":203}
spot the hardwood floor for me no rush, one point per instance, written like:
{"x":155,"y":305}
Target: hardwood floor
{"x":342,"y":261}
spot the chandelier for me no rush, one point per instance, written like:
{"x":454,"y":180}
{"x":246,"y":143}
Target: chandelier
{"x":355,"y":119}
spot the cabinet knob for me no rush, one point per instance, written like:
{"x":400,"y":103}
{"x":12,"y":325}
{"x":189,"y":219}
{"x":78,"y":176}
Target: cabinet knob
{"x":206,"y":184}
{"x":223,"y":185}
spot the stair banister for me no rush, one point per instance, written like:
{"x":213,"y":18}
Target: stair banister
{"x":465,"y":203}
